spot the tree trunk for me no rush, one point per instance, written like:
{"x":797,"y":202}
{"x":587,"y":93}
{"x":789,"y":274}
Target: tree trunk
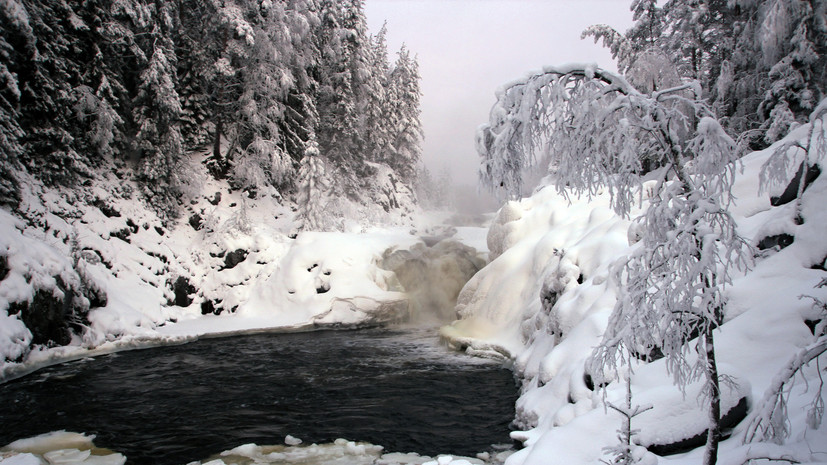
{"x":714,"y":389}
{"x":216,"y":148}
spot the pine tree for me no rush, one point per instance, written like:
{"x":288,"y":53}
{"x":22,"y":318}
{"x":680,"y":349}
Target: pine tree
{"x":14,"y":28}
{"x":262,"y":161}
{"x":314,"y":190}
{"x":158,"y":141}
{"x":795,"y":47}
{"x":336,"y":97}
{"x":407,"y":133}
{"x":377,"y":125}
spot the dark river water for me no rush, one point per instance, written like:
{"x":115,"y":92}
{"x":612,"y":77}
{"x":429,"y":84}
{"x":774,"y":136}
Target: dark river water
{"x":172,"y":405}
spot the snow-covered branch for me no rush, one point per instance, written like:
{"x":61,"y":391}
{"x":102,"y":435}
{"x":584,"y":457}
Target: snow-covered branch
{"x":616,"y":132}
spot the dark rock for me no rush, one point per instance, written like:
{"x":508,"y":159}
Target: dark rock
{"x":131,"y":224}
{"x":47,"y":316}
{"x":163,"y":258}
{"x":159,"y":230}
{"x":182,"y":290}
{"x":812,"y":324}
{"x":323,"y":288}
{"x":588,"y":381}
{"x":122,"y":234}
{"x":779,"y":240}
{"x":107,"y":210}
{"x":97,"y":298}
{"x":211,"y":306}
{"x":4,"y":267}
{"x":216,"y":199}
{"x":728,"y":421}
{"x":791,"y":191}
{"x":655,"y":353}
{"x":234,"y":258}
{"x":196,"y":222}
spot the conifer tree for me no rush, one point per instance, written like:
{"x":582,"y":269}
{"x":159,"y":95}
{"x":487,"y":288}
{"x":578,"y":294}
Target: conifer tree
{"x":407,"y":133}
{"x":314,"y":189}
{"x":158,"y":141}
{"x":377,"y":125}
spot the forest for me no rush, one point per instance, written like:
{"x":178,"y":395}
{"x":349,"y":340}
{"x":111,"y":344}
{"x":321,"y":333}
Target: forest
{"x":202,"y":168}
{"x":287,"y":96}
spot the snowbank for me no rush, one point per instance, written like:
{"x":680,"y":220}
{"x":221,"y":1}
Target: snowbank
{"x":109,"y":274}
{"x":545,"y":298}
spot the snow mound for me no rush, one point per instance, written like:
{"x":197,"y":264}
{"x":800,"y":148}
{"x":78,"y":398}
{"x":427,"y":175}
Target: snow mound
{"x":59,"y":447}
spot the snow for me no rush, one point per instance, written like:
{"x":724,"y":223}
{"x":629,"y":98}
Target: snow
{"x":103,"y":235}
{"x":543,"y":301}
{"x":59,"y":447}
{"x":525,"y":305}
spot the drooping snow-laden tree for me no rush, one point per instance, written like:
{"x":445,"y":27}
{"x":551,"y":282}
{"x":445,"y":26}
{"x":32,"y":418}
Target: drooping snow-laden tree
{"x":770,"y":421}
{"x":598,"y":132}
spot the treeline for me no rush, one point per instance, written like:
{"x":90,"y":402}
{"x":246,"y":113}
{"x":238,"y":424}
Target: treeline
{"x":761,"y":65}
{"x":261,"y":84}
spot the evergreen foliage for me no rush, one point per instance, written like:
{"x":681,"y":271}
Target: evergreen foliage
{"x":90,"y":85}
{"x":760,"y":64}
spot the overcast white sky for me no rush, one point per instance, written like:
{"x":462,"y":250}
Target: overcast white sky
{"x":468,"y":48}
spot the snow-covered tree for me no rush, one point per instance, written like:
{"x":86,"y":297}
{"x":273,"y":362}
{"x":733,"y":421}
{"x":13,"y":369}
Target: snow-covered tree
{"x":140,"y":83}
{"x":770,"y":420}
{"x":407,"y":133}
{"x":159,"y":139}
{"x":336,"y":96}
{"x":593,"y":125}
{"x":14,"y":21}
{"x":378,"y":126}
{"x":794,"y":46}
{"x":761,"y":64}
{"x":314,"y":187}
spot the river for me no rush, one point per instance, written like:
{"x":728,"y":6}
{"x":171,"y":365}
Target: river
{"x":397,"y":388}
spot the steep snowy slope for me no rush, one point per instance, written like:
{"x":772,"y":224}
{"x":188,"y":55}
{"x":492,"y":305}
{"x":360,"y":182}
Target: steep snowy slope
{"x":93,"y":269}
{"x":546,"y":297}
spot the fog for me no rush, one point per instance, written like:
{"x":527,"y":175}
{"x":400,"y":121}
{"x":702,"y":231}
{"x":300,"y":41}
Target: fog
{"x":468,"y":48}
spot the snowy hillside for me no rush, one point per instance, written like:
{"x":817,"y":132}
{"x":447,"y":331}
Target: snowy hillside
{"x":545,"y":300}
{"x":94,"y":269}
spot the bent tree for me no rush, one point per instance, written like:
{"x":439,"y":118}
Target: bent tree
{"x":597,"y":132}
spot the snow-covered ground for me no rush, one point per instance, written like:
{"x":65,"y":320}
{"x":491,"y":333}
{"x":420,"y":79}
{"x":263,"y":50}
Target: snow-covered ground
{"x":543,"y":300}
{"x":229,"y":264}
